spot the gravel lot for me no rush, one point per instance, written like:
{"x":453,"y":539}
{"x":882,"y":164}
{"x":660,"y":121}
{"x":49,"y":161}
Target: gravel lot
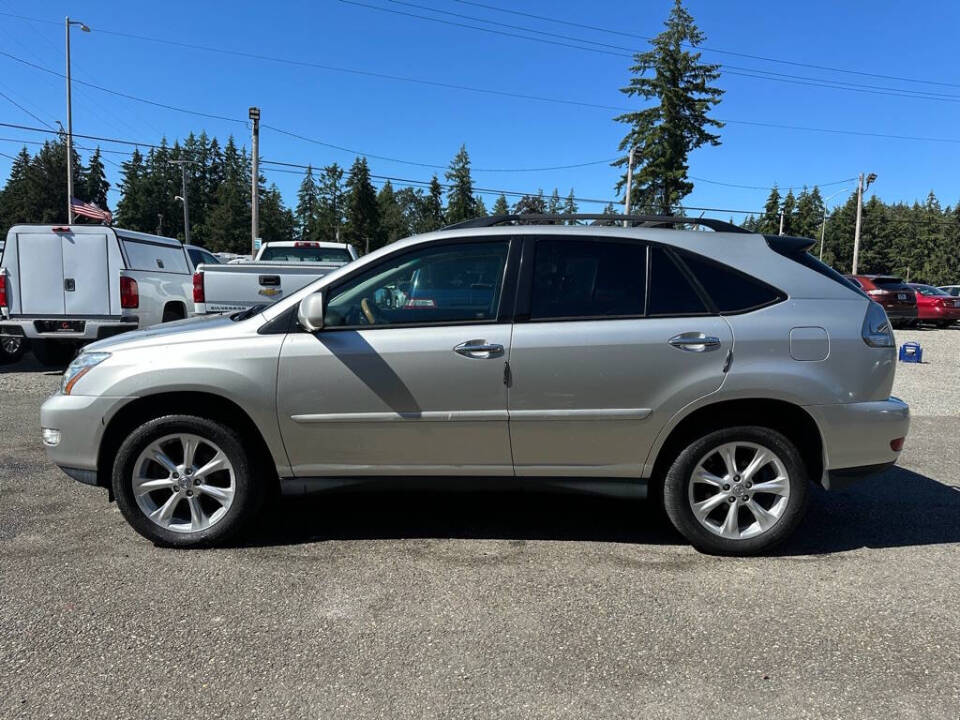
{"x":499,"y":605}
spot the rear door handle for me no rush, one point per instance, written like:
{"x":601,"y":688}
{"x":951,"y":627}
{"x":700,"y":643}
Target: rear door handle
{"x":479,"y":349}
{"x":695,"y":342}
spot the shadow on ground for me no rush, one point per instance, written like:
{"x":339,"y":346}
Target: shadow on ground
{"x":897,"y":509}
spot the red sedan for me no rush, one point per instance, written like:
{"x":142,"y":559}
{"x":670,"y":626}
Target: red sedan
{"x":935,"y":305}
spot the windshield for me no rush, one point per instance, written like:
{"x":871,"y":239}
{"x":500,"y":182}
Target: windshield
{"x":930,"y":290}
{"x":306,"y":254}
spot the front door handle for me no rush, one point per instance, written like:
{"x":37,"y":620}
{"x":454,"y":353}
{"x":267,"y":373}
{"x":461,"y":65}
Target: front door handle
{"x":695,"y":342}
{"x":479,"y":349}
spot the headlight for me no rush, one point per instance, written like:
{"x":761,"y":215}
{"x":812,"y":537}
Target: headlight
{"x":80,"y":367}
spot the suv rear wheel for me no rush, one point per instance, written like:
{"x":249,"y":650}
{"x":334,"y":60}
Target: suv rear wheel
{"x":185,"y":481}
{"x":737,"y":491}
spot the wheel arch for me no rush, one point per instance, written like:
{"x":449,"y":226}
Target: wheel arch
{"x":790,"y":419}
{"x":200,"y":404}
{"x":177,"y":306}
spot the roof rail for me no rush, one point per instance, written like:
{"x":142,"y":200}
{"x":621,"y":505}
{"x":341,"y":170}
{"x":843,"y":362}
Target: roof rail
{"x":652,"y":221}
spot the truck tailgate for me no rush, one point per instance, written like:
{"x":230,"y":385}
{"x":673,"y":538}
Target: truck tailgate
{"x":228,"y":288}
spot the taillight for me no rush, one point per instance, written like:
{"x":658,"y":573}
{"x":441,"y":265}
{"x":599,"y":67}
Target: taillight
{"x":3,"y":290}
{"x":897,"y":444}
{"x":129,"y":293}
{"x":198,"y":296}
{"x":876,"y":292}
{"x":876,"y":327}
{"x":307,"y":244}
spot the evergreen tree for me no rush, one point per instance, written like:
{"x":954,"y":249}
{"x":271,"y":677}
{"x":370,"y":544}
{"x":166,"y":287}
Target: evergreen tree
{"x":500,"y":207}
{"x":570,"y":207}
{"x":461,"y":204}
{"x":665,"y":133}
{"x":433,"y":212}
{"x":95,"y":181}
{"x":481,"y":206}
{"x":228,"y":225}
{"x":393,"y":224}
{"x":133,"y":206}
{"x":16,"y":201}
{"x":788,"y":210}
{"x":307,"y":214}
{"x":609,"y":209}
{"x":530,"y":205}
{"x":809,"y":215}
{"x":769,"y":222}
{"x":276,"y":222}
{"x":362,"y":228}
{"x":555,"y":206}
{"x":331,"y":203}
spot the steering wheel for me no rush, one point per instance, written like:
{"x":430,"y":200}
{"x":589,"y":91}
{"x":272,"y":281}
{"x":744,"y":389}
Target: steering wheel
{"x":367,"y":309}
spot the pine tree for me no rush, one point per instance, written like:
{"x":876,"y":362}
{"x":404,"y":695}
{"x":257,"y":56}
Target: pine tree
{"x":500,"y":207}
{"x":307,"y":214}
{"x":769,"y":222}
{"x":16,"y":203}
{"x":228,"y":225}
{"x":393,"y":224}
{"x":555,"y":206}
{"x":133,"y":207}
{"x":530,"y":205}
{"x":481,"y":206}
{"x":789,"y":210}
{"x":95,"y":181}
{"x":570,"y":207}
{"x":461,"y":204}
{"x":276,"y":222}
{"x":665,"y":133}
{"x":331,"y":208}
{"x":362,"y":228}
{"x":433,"y":212}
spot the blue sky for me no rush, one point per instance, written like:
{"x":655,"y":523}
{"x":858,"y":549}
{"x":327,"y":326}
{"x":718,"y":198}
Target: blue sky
{"x":427,"y":124}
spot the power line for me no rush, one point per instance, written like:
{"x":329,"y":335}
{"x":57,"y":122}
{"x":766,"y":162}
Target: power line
{"x":4,"y":95}
{"x":627,"y":52}
{"x":709,"y":49}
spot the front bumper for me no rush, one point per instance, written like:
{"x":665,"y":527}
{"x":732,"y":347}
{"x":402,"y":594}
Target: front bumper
{"x":857,"y":437}
{"x":81,"y":421}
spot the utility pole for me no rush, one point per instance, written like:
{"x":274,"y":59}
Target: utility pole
{"x":781,"y":221}
{"x":255,"y":181}
{"x":856,"y":233}
{"x":183,"y":198}
{"x":626,"y":200}
{"x":67,"y":23}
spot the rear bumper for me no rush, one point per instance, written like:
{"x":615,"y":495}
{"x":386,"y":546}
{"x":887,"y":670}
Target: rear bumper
{"x":901,"y":312}
{"x":95,"y":328}
{"x":857,"y":437}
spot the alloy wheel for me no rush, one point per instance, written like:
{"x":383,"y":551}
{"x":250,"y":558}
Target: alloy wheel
{"x":739,"y":490}
{"x":183,"y":483}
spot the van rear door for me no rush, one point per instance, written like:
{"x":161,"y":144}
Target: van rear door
{"x":68,"y":272}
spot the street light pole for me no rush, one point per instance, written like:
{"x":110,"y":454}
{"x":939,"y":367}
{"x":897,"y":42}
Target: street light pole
{"x":626,"y":200}
{"x":856,"y":233}
{"x":183,"y":198}
{"x":255,"y":181}
{"x":67,"y":23}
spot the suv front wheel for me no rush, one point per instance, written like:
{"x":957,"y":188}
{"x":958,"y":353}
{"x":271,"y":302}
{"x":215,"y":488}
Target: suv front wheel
{"x":737,"y":491}
{"x":185,"y":481}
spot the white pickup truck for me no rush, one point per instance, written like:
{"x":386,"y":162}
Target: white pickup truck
{"x":65,"y":285}
{"x":280,"y":268}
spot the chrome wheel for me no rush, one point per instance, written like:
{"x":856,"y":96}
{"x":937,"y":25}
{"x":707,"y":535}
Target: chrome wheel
{"x":739,"y":490}
{"x":10,"y":345}
{"x":183,"y":483}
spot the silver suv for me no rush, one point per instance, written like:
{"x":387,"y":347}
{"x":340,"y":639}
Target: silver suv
{"x":724,"y":371}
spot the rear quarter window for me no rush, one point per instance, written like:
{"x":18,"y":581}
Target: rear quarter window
{"x":731,"y":290}
{"x":671,"y":292}
{"x":157,"y":258}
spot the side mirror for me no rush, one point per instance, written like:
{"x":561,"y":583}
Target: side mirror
{"x":310,"y":312}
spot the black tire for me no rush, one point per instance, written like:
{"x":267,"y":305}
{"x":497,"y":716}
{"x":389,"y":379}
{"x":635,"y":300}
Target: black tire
{"x":676,"y":489}
{"x":12,"y":349}
{"x":249,"y":491}
{"x":54,"y":353}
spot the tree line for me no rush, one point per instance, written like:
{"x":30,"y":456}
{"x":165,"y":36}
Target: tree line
{"x":916,"y":241}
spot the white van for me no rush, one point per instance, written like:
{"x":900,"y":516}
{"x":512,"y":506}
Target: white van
{"x":63,"y":286}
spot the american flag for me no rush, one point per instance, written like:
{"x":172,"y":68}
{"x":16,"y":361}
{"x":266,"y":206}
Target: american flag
{"x":90,"y":210}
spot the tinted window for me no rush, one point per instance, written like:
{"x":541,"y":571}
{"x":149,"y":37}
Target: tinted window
{"x":147,"y":256}
{"x":730,"y":290}
{"x":305,"y":254}
{"x":450,"y":283}
{"x":584,"y":278}
{"x":670,"y":291}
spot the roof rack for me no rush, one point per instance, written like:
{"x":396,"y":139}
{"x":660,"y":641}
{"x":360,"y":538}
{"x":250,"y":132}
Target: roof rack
{"x":651,"y":221}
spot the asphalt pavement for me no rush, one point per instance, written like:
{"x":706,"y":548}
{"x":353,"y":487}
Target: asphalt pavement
{"x":499,"y":605}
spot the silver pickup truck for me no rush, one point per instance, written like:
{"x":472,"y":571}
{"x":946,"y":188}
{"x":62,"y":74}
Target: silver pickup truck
{"x":279,"y":269}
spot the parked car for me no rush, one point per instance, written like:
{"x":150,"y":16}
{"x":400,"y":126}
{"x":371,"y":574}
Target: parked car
{"x":64,"y":286}
{"x":953,"y":290}
{"x":280,"y":269}
{"x":726,"y":372}
{"x":935,"y":305}
{"x":896,"y":297}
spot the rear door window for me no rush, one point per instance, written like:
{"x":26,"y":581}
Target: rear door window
{"x":731,"y":290}
{"x":671,"y":293}
{"x":155,"y":257}
{"x":587,"y":278}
